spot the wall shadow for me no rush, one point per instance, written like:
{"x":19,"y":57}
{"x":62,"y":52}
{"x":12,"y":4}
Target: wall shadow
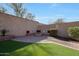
{"x":31,"y":39}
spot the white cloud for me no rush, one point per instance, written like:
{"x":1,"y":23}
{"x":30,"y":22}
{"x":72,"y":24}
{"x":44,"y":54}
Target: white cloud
{"x":54,"y":5}
{"x":50,"y":17}
{"x":59,"y":16}
{"x":55,"y":17}
{"x":43,"y":17}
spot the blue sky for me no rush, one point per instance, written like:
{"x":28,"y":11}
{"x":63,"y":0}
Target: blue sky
{"x":50,"y":12}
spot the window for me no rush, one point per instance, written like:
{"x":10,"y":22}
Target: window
{"x":28,"y":32}
{"x":38,"y":31}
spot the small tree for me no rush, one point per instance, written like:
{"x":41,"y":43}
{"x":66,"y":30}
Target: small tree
{"x":18,"y":9}
{"x":3,"y":32}
{"x":73,"y":32}
{"x":3,"y":10}
{"x":58,"y":21}
{"x":30,"y":16}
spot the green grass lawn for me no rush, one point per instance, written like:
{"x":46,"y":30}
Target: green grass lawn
{"x":14,"y":48}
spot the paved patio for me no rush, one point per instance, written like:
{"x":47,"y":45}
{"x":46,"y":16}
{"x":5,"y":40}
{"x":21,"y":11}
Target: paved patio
{"x":48,"y":39}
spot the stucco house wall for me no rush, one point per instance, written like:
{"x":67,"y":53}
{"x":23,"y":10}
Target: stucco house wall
{"x":63,"y":28}
{"x":16,"y":25}
{"x":45,"y":28}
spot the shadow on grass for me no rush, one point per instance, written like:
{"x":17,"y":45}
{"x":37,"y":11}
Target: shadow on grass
{"x":9,"y":46}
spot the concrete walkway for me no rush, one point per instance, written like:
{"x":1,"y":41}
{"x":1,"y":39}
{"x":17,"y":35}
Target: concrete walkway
{"x":48,"y":39}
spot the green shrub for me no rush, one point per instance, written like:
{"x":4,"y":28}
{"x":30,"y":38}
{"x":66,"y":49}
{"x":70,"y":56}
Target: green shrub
{"x":3,"y":32}
{"x":52,"y":32}
{"x":73,"y":32}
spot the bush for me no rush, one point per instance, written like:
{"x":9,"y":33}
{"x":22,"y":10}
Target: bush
{"x":3,"y":32}
{"x":73,"y":32}
{"x":52,"y":32}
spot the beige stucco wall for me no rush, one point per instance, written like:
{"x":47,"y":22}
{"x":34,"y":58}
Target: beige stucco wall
{"x":44,"y":28}
{"x":63,"y":28}
{"x":16,"y":25}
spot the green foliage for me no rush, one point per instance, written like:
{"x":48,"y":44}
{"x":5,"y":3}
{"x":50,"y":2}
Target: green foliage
{"x":3,"y":32}
{"x":52,"y":32}
{"x":73,"y":32}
